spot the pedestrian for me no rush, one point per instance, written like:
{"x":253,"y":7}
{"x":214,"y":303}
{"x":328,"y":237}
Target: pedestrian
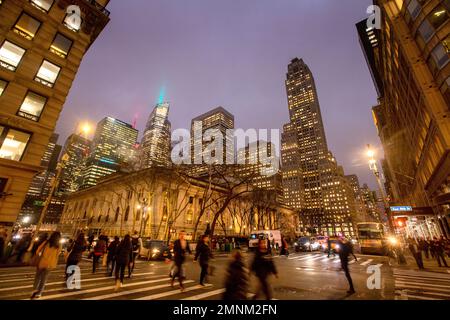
{"x":439,"y":247}
{"x":111,"y":256}
{"x":48,"y":253}
{"x":263,"y":266}
{"x":426,"y":248}
{"x":236,"y":282}
{"x":203,"y":254}
{"x":91,"y":239}
{"x":136,"y":243}
{"x":269,"y":247}
{"x":330,"y":250}
{"x":99,"y":251}
{"x":75,"y":252}
{"x":22,"y":247}
{"x":180,"y":248}
{"x":41,"y":239}
{"x":123,"y":257}
{"x":352,"y":250}
{"x":284,"y":247}
{"x":344,"y":253}
{"x":416,"y":253}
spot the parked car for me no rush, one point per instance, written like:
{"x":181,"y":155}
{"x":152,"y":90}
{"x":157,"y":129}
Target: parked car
{"x":306,"y":244}
{"x":154,"y":250}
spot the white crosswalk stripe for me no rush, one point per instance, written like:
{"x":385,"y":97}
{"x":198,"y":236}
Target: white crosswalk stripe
{"x":206,"y":295}
{"x":421,"y":285}
{"x":171,"y":293}
{"x":366,"y":262}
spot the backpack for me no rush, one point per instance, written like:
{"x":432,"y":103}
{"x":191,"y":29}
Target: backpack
{"x":135,"y":244}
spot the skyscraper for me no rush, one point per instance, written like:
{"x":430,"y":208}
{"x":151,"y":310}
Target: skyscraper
{"x":216,"y":120}
{"x":41,"y":184}
{"x":41,"y":49}
{"x":77,"y":148}
{"x":410,"y":57}
{"x":112,"y":148}
{"x":155,"y":145}
{"x":328,"y":204}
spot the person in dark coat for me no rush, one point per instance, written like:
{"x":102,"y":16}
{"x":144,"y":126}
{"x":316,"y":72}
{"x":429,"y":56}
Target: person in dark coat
{"x":75,"y":252}
{"x":284,"y":247}
{"x":439,"y":249}
{"x":111,"y":257}
{"x":99,"y":251}
{"x":344,"y":252}
{"x":203,"y":254}
{"x":425,"y":248}
{"x":236,"y":283}
{"x":123,"y":258}
{"x":263,"y":266}
{"x":416,"y":253}
{"x":180,"y":248}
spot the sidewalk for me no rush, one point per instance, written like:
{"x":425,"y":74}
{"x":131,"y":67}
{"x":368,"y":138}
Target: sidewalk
{"x":430,"y":265}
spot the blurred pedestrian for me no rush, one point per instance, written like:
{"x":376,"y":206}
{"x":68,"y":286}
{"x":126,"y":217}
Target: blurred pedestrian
{"x":344,"y":253}
{"x":416,"y":253}
{"x":425,"y":248}
{"x":352,"y":249}
{"x":180,"y":248}
{"x":284,"y":247}
{"x":236,"y":282}
{"x":439,"y":247}
{"x":263,"y":266}
{"x":136,"y":243}
{"x":48,"y":253}
{"x":203,"y":254}
{"x":22,"y":247}
{"x":123,"y":257}
{"x":111,"y":256}
{"x":75,"y":252}
{"x":99,"y":251}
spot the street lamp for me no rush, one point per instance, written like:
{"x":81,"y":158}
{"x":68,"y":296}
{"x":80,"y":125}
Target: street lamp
{"x":86,"y":128}
{"x":373,"y":167}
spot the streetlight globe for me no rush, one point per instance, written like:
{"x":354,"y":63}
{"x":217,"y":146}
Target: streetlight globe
{"x":86,"y":128}
{"x":370,"y":153}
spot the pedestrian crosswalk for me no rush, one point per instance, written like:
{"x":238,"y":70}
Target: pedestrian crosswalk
{"x":333,"y":259}
{"x":145,"y":285}
{"x":421,"y":285}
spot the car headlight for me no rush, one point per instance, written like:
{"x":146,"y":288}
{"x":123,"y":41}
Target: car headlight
{"x":337,"y":246}
{"x":62,"y":241}
{"x":393,"y":241}
{"x":324,"y":246}
{"x":155,"y":251}
{"x":295,"y":244}
{"x":307,"y":244}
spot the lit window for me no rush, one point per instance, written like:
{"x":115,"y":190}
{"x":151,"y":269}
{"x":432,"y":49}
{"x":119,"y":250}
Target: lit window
{"x":440,"y":55}
{"x":10,"y":55}
{"x":61,"y":45}
{"x":32,"y":106}
{"x":426,"y":30}
{"x":48,"y":73}
{"x":2,"y":86}
{"x":438,"y":16}
{"x":43,"y":4}
{"x":12,"y":143}
{"x":27,"y":26}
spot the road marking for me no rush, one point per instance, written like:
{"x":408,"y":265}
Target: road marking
{"x":420,"y":283}
{"x":424,"y":276}
{"x":421,"y":287}
{"x":315,"y":258}
{"x":366,"y":262}
{"x":205,"y":295}
{"x":125,"y":293}
{"x":303,"y":258}
{"x":418,"y":297}
{"x":63,"y":282}
{"x":171,"y":293}
{"x":352,"y":262}
{"x":109,"y":287}
{"x":295,"y":256}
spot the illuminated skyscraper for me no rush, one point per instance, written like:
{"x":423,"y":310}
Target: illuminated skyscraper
{"x":77,"y":148}
{"x":328,"y":202}
{"x":112,"y":148}
{"x":155,"y":145}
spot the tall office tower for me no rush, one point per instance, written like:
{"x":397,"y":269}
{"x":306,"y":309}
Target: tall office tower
{"x":360,"y":208}
{"x":41,"y":184}
{"x":218,"y":120}
{"x":370,"y":199}
{"x":77,"y":149}
{"x":112,"y":148}
{"x":327,"y":205}
{"x":291,"y":168}
{"x":41,"y":49}
{"x":155,"y":145}
{"x":259,"y":161}
{"x":409,"y":58}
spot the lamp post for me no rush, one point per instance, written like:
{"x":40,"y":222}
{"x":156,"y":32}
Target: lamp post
{"x":374,"y":168}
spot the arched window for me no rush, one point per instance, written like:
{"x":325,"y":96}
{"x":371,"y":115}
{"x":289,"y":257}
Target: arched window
{"x":127,"y":213}
{"x":116,"y":218}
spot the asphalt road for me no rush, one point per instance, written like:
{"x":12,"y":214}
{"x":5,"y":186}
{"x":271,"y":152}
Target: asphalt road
{"x":302,"y":276}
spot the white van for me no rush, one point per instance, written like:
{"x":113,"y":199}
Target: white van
{"x":264,"y":234}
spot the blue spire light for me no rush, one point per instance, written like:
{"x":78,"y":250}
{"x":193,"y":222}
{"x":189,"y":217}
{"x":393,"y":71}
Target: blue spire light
{"x":162,"y":94}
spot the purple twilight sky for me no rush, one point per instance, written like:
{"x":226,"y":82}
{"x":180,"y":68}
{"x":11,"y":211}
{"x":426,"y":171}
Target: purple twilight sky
{"x":232,"y":53}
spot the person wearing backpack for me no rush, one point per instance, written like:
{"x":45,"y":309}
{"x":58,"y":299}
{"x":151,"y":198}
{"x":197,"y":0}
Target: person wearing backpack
{"x":48,"y":253}
{"x":99,"y":251}
{"x":111,"y":257}
{"x":136,"y":244}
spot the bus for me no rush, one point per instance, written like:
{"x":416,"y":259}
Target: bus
{"x":371,"y":236}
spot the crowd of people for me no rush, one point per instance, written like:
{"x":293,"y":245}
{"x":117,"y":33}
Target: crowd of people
{"x":430,"y":248}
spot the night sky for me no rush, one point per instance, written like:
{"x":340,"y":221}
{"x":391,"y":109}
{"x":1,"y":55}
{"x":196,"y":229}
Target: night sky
{"x":230,"y":53}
